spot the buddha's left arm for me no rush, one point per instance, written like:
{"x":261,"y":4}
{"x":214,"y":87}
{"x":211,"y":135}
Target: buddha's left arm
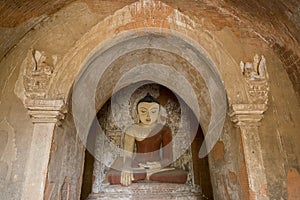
{"x":167,"y":148}
{"x":127,"y":174}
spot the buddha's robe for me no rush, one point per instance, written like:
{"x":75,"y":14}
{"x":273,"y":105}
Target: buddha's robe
{"x":156,"y":147}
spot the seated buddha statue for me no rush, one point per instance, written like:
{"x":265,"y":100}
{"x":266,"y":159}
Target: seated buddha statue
{"x":147,"y":150}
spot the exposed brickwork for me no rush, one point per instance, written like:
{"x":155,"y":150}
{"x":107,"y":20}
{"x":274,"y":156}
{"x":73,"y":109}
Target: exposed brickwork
{"x":106,"y":7}
{"x":159,"y":12}
{"x":13,"y":13}
{"x":293,"y":184}
{"x":225,"y":188}
{"x":243,"y":176}
{"x":218,"y":151}
{"x":232,"y":178}
{"x":291,"y":63}
{"x":265,"y":189}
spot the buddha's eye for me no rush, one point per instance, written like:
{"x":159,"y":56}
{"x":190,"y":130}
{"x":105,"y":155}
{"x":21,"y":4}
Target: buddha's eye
{"x":143,"y":111}
{"x":153,"y":111}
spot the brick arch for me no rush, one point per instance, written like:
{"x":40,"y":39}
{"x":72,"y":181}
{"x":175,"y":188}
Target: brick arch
{"x":134,"y":19}
{"x":105,"y":68}
{"x":85,"y":92}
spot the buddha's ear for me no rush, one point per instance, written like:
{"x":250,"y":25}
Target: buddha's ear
{"x":162,"y":116}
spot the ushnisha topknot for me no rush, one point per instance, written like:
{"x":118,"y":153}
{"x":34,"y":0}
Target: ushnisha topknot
{"x":148,"y":99}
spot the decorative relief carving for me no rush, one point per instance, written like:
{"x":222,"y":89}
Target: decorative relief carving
{"x":256,"y":77}
{"x":256,"y":70}
{"x":38,"y":71}
{"x":149,"y":191}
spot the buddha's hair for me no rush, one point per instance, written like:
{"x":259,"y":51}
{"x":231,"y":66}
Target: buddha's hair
{"x":148,"y":99}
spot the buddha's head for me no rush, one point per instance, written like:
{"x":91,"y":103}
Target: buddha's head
{"x":148,"y":110}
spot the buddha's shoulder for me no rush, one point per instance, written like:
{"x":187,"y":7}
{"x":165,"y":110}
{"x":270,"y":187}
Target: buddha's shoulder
{"x":134,"y":130}
{"x":131,"y":128}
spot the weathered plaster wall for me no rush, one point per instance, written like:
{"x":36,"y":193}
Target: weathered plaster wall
{"x":225,"y":164}
{"x":16,"y":131}
{"x":280,"y":133}
{"x":279,"y":128}
{"x":15,"y":124}
{"x":64,"y":177}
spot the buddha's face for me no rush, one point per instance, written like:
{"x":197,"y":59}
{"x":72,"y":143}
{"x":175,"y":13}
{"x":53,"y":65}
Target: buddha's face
{"x":148,"y":112}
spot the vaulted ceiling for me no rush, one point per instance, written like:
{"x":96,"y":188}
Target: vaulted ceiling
{"x":276,"y":22}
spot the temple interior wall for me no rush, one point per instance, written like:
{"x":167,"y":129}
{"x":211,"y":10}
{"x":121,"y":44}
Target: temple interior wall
{"x":57,"y":34}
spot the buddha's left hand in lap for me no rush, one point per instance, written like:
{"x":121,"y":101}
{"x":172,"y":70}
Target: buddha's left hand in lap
{"x":150,"y":165}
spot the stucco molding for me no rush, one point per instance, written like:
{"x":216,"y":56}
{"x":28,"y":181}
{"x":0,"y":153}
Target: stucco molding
{"x":45,"y":111}
{"x":247,"y":114}
{"x":247,"y":118}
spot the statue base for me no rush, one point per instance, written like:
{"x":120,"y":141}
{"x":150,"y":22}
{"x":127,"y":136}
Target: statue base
{"x":148,"y":191}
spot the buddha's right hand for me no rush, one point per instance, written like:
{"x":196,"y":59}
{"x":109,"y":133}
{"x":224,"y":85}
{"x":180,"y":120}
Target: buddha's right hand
{"x":126,"y":177}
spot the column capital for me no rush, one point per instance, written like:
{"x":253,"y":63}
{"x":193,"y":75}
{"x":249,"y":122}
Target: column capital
{"x":45,"y":110}
{"x":247,"y":114}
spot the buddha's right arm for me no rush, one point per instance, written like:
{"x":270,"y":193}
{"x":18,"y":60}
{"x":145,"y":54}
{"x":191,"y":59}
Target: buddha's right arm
{"x":128,"y":150}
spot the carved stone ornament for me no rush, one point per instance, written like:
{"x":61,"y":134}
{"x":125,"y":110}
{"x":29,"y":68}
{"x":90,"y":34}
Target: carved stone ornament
{"x":45,"y":111}
{"x":256,"y":77}
{"x":247,"y":114}
{"x":38,"y":71}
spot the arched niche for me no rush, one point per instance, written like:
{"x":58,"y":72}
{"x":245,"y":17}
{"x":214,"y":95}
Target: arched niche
{"x":162,"y":58}
{"x":118,"y":112}
{"x":133,"y":21}
{"x":181,"y":67}
{"x":204,"y":66}
{"x":93,"y":69}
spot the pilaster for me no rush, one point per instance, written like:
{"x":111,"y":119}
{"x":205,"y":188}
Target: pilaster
{"x":247,"y":118}
{"x":45,"y":115}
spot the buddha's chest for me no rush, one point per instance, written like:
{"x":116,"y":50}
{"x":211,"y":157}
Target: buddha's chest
{"x":149,"y":144}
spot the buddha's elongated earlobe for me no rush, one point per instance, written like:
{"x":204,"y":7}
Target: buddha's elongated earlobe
{"x":162,"y":115}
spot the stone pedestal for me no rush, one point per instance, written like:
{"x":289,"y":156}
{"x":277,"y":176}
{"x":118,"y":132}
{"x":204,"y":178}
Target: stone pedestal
{"x":247,"y":118}
{"x":147,"y":191}
{"x":45,"y":114}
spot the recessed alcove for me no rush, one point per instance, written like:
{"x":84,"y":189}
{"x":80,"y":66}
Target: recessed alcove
{"x":115,"y":116}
